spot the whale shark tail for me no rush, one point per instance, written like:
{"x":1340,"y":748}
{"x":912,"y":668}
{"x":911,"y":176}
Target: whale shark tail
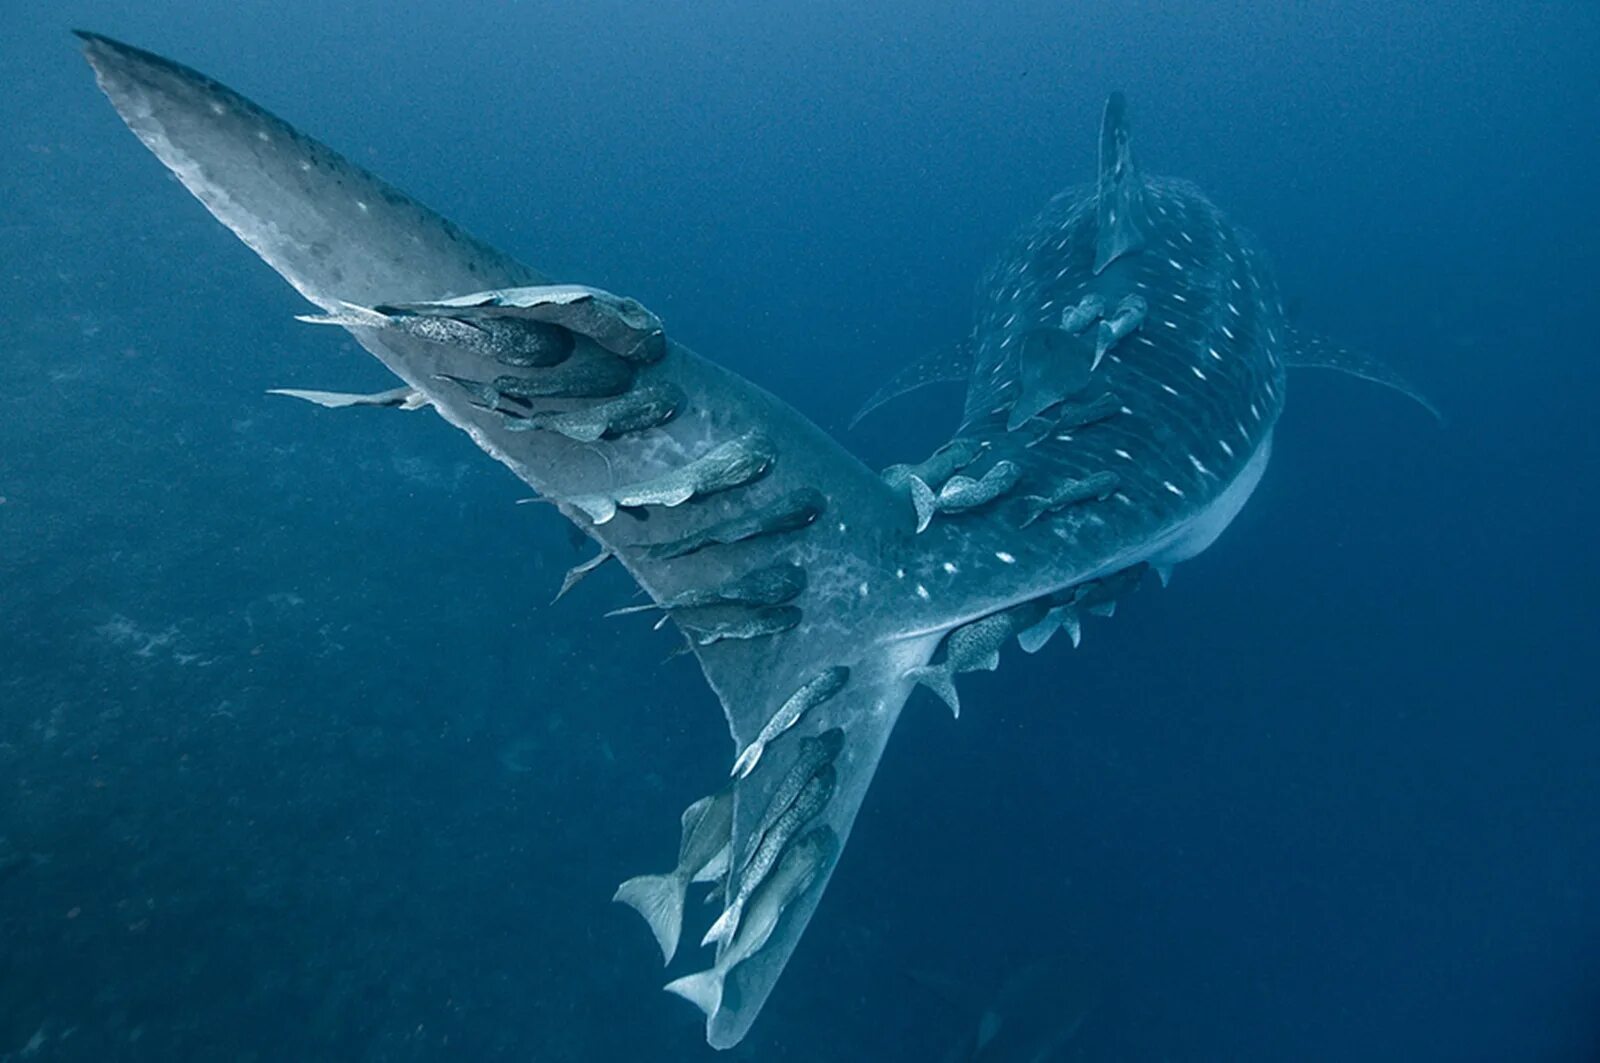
{"x":350,"y":242}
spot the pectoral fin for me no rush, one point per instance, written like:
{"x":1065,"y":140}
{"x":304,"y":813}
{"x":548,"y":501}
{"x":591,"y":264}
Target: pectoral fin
{"x":950,"y":362}
{"x":1306,"y":350}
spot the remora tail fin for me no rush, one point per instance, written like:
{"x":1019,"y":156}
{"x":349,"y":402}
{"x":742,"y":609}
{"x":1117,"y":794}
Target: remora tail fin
{"x":659,"y":898}
{"x":702,"y":989}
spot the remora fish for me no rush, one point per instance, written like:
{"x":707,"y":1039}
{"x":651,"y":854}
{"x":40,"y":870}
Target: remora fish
{"x":1128,"y":316}
{"x":808,"y":804}
{"x":1070,"y":493}
{"x":732,"y":464}
{"x":1083,"y":313}
{"x":937,"y":467}
{"x":1096,"y":597}
{"x":522,"y":344}
{"x":519,"y":344}
{"x":769,"y":585}
{"x":791,"y":512}
{"x":755,"y":624}
{"x":974,"y":647}
{"x":639,"y":409}
{"x":813,"y":693}
{"x":1202,"y":383}
{"x":922,"y":482}
{"x":813,"y":753}
{"x":588,"y":374}
{"x":702,"y":856}
{"x":961,"y":493}
{"x":617,"y":323}
{"x":795,"y":873}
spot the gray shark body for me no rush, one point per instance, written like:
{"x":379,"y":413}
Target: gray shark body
{"x":1198,"y":386}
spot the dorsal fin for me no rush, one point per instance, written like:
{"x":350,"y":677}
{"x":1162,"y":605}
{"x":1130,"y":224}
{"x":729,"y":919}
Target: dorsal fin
{"x":1121,"y":210}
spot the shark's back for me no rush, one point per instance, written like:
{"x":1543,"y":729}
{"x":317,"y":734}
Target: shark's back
{"x":1176,"y":414}
{"x":1212,"y":330}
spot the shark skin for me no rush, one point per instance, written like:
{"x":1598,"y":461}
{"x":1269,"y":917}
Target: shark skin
{"x":1199,"y":385}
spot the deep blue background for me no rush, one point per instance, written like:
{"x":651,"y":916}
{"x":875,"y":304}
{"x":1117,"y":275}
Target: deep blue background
{"x":265,"y":675}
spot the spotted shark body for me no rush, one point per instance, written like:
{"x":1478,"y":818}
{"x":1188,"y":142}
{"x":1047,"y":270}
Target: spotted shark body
{"x":1145,"y":425}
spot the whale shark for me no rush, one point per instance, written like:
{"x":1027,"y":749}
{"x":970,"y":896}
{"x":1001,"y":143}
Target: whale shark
{"x":1124,"y":374}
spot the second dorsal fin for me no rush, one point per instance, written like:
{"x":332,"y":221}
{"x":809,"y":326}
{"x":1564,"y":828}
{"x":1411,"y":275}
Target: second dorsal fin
{"x":1120,"y":217}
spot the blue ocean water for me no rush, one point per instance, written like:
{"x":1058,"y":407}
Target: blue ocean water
{"x":298,"y":762}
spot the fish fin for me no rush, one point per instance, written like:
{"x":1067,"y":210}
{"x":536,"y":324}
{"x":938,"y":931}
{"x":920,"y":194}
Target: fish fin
{"x":937,"y":678}
{"x":337,"y":400}
{"x":599,"y":508}
{"x":716,"y":867}
{"x":1307,"y":350}
{"x":1033,"y":639}
{"x":951,"y":362}
{"x":1120,"y":209}
{"x":724,"y":928}
{"x":1164,"y":574}
{"x":1103,"y":609}
{"x":923,"y":501}
{"x":1104,"y":338}
{"x":346,"y":315}
{"x":659,"y":898}
{"x":482,"y":395}
{"x":577,"y":572}
{"x":629,"y":610}
{"x":691,"y":818}
{"x":703,"y":990}
{"x":1073,"y":626}
{"x":746,"y":761}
